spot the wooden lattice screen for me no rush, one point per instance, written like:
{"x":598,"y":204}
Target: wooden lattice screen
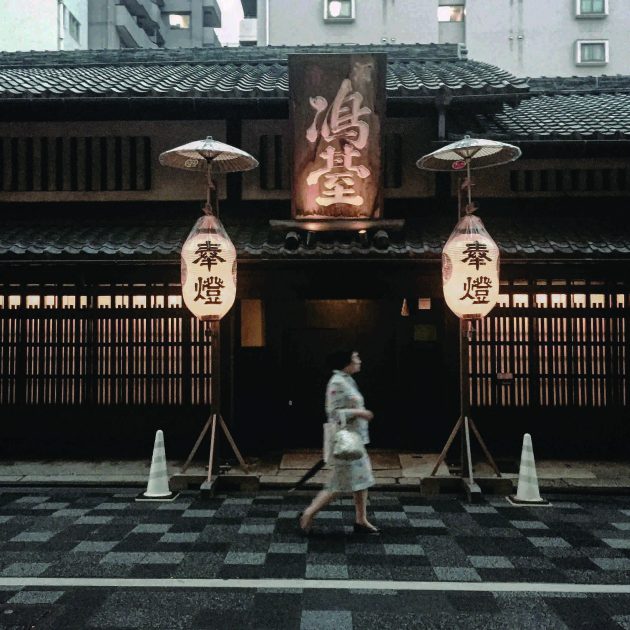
{"x":553,"y":347}
{"x":131,"y":355}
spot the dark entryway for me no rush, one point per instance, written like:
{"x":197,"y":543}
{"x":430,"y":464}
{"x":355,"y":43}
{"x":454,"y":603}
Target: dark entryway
{"x":402,"y":378}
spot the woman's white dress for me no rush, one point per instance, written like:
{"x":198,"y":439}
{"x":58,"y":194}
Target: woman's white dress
{"x":343,"y":398}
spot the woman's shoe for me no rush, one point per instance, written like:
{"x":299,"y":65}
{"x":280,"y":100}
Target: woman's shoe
{"x":364,"y":529}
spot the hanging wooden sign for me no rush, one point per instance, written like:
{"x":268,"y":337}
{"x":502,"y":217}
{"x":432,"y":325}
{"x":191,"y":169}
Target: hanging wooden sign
{"x":337,"y":110}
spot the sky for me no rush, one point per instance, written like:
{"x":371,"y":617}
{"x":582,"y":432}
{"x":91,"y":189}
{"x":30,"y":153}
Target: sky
{"x":231,"y":15}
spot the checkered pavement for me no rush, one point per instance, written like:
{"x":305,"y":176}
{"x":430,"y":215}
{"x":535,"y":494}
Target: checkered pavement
{"x":98,"y":532}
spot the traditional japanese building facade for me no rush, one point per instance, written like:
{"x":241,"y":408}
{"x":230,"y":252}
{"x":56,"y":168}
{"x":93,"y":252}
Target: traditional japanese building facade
{"x":97,"y":350}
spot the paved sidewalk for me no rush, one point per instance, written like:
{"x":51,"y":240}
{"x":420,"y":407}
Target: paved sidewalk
{"x":438,"y":563}
{"x":392,"y":471}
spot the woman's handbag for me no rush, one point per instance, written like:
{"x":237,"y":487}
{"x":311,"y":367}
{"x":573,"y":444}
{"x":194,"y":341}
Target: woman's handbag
{"x":347,"y":445}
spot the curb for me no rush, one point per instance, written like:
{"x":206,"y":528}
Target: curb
{"x":250,"y":483}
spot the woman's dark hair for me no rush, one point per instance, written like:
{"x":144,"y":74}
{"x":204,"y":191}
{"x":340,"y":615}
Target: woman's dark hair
{"x":340,"y":359}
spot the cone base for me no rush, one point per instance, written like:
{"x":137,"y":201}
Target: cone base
{"x":167,"y":497}
{"x":521,"y":503}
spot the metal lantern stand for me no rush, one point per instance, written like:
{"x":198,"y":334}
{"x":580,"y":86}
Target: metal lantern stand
{"x":487,"y":153}
{"x":213,"y":327}
{"x":215,"y":415}
{"x":210,"y":156}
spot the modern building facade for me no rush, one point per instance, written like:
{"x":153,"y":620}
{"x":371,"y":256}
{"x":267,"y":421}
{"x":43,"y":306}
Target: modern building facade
{"x":115,"y":24}
{"x":108,"y":24}
{"x":525,"y":37}
{"x":97,"y":350}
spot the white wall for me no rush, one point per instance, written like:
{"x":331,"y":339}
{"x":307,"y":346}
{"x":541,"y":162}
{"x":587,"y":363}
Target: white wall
{"x":300,"y":22}
{"x":28,"y":25}
{"x":525,"y":37}
{"x":32,"y":25}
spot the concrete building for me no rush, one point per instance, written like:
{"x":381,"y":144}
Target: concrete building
{"x":118,"y":24}
{"x":525,"y":37}
{"x":43,"y":25}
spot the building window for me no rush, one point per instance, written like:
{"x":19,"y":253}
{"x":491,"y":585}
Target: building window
{"x":74,"y":26}
{"x":451,"y":13}
{"x":592,"y":53}
{"x":591,"y":8}
{"x":338,"y":10}
{"x":179,"y":20}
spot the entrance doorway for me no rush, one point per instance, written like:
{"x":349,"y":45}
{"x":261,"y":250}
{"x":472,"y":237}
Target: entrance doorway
{"x":401,"y":376}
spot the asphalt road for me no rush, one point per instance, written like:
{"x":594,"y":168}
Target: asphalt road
{"x":82,"y":558}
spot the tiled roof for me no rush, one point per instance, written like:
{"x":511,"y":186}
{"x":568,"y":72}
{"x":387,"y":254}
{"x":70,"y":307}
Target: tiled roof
{"x":602,"y":84}
{"x":589,"y":116}
{"x":519,"y":236}
{"x":413,"y":70}
{"x":89,"y":240}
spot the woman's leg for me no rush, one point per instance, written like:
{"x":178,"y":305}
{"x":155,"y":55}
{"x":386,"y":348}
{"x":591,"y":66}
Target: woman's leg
{"x":320,"y":501}
{"x":360,"y":508}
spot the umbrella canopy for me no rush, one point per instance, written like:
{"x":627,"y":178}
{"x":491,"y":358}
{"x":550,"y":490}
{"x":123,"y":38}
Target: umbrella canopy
{"x":469,"y":152}
{"x":208,"y":155}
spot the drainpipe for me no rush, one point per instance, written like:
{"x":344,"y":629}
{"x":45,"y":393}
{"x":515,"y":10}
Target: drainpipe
{"x":60,"y":32}
{"x":267,"y":22}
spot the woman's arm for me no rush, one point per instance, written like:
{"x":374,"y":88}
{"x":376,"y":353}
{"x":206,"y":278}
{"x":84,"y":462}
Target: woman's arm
{"x":341,"y":403}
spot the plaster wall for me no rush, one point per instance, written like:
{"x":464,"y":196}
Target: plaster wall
{"x":495,"y":182}
{"x":166,"y":183}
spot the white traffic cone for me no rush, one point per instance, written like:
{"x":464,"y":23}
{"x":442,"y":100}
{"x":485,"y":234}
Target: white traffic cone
{"x":157,"y":487}
{"x":527,"y":492}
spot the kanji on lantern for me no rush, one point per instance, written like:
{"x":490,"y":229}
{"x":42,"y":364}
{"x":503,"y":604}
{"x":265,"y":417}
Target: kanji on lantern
{"x":476,"y":254}
{"x":208,"y":254}
{"x":477,"y":289}
{"x":209,"y":289}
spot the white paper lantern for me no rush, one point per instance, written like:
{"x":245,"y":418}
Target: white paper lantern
{"x":208,"y":270}
{"x":470,"y":270}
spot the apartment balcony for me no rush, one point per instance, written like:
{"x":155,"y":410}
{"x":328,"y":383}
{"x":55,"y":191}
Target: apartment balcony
{"x":248,"y":31}
{"x":211,"y":14}
{"x":131,"y":35}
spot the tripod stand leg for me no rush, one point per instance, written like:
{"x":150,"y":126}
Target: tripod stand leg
{"x":212,"y":436}
{"x":447,"y":446}
{"x":484,"y":448}
{"x":468,"y":455}
{"x":196,"y":446}
{"x":228,"y":435}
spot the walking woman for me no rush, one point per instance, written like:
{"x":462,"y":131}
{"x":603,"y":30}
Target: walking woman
{"x":345,"y":406}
